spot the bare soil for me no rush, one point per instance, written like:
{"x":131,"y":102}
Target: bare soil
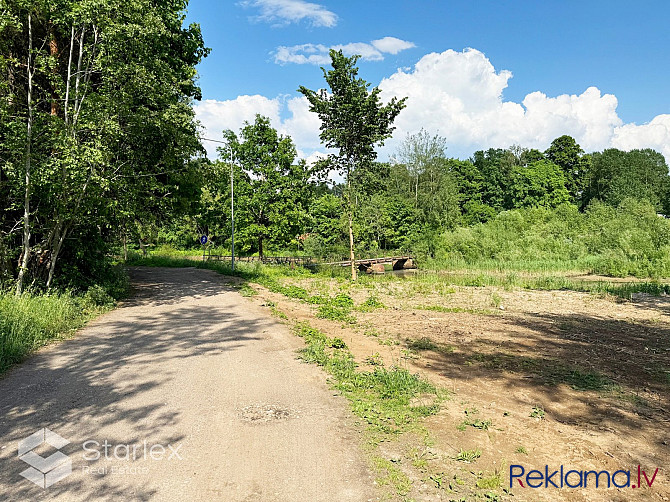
{"x":564,"y":378}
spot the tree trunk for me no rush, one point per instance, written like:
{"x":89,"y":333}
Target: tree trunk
{"x":54,"y":256}
{"x":351,"y":246}
{"x":351,"y":225}
{"x":26,"y":197}
{"x":260,"y":247}
{"x":53,"y":51}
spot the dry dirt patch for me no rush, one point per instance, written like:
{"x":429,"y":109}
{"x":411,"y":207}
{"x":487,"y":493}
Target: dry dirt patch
{"x":538,"y":378}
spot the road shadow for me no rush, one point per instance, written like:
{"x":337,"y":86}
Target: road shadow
{"x":85,"y":384}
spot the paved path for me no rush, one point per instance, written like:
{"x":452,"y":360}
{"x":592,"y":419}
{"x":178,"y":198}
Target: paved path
{"x":191,"y":366}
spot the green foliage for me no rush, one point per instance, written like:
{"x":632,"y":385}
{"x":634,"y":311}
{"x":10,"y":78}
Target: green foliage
{"x":103,"y":148}
{"x":569,"y":156}
{"x":424,"y":180}
{"x":468,"y":456}
{"x":334,"y":313}
{"x":616,"y":175}
{"x":372,"y":303}
{"x":491,"y":481}
{"x":271,"y":191}
{"x":96,"y":296}
{"x":540,"y":184}
{"x":354,"y":121}
{"x":423,"y":343}
{"x":382,"y":397}
{"x":628,"y":240}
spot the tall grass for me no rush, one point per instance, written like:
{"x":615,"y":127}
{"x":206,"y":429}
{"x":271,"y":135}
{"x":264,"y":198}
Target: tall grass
{"x":28,"y":322}
{"x":629,"y":240}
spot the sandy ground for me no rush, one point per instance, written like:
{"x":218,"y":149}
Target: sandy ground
{"x":193,"y":367}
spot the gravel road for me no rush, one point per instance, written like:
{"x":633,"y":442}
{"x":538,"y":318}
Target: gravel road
{"x":199,"y":385}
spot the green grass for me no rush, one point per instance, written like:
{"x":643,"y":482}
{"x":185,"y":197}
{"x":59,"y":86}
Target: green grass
{"x":468,"y":456}
{"x":537,"y":412}
{"x":423,"y":343}
{"x":372,"y":303}
{"x":442,"y":281}
{"x":247,"y":291}
{"x":29,"y":322}
{"x":629,"y":240}
{"x":382,"y":397}
{"x":390,"y":475}
{"x":491,"y":481}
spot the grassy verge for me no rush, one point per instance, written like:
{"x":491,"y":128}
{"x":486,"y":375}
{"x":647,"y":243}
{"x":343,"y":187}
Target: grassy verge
{"x":419,"y":283}
{"x":389,"y":401}
{"x":28,"y":322}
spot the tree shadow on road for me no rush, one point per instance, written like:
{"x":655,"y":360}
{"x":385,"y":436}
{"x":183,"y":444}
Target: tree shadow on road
{"x":104,"y":378}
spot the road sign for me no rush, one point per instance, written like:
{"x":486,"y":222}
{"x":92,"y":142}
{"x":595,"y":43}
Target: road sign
{"x":203,"y":240}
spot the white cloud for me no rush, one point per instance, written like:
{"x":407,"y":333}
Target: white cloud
{"x":283,"y":12}
{"x":366,"y":51}
{"x":392,"y":45}
{"x":655,"y":134}
{"x":318,"y":53}
{"x":302,"y":54}
{"x":459,"y":95}
{"x":217,"y":116}
{"x":301,"y":125}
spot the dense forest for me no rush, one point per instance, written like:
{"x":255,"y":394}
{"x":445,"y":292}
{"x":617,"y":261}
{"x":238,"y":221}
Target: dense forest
{"x":100,"y":156}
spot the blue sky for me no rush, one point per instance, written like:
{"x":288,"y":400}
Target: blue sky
{"x":594,"y":69}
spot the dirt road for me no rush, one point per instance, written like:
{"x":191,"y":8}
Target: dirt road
{"x":196,"y":383}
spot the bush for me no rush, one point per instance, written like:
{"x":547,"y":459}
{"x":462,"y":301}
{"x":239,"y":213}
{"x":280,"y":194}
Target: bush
{"x":97,"y":296}
{"x":627,"y":240}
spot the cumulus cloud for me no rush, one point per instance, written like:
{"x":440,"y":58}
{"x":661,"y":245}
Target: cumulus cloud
{"x":300,"y":124}
{"x":459,"y":95}
{"x":217,"y":116}
{"x":283,"y":12}
{"x":302,"y":54}
{"x":318,"y":53}
{"x":655,"y":134}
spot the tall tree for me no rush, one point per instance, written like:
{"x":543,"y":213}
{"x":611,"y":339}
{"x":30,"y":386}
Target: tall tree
{"x":273,"y":190}
{"x":96,"y":97}
{"x":354,"y":121}
{"x":429,"y":183}
{"x":495,"y":166}
{"x":616,"y":175}
{"x":540,"y":184}
{"x":566,"y":153}
{"x":422,"y":153}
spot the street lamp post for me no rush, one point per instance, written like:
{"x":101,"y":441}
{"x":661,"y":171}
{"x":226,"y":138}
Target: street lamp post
{"x":232,"y":213}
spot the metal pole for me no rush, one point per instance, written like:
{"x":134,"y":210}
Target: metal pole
{"x":232,"y":213}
